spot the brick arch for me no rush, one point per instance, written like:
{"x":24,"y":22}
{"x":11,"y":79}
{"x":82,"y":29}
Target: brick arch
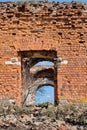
{"x":33,"y":57}
{"x":30,"y":93}
{"x":42,"y":93}
{"x":45,"y":73}
{"x":49,"y":83}
{"x":35,"y":61}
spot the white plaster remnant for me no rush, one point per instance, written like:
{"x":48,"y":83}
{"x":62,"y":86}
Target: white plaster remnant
{"x":29,"y":100}
{"x":13,"y":61}
{"x":12,"y":101}
{"x":64,"y":62}
{"x":61,"y":61}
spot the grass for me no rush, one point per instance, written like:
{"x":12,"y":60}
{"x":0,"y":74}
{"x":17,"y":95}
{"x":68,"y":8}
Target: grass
{"x":73,"y":114}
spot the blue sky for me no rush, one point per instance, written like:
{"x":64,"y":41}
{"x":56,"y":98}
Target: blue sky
{"x":44,"y":94}
{"x":45,"y":63}
{"x":85,"y":1}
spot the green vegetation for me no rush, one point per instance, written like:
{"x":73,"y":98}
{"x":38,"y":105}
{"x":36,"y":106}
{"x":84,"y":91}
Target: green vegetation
{"x":73,"y":114}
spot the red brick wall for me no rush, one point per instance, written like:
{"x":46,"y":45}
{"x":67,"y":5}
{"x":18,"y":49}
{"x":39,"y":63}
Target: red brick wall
{"x":44,"y":26}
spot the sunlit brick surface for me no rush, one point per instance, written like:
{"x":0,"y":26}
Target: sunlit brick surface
{"x":44,"y":26}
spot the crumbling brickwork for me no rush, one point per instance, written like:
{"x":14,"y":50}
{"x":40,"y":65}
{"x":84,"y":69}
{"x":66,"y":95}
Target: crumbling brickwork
{"x":60,"y":27}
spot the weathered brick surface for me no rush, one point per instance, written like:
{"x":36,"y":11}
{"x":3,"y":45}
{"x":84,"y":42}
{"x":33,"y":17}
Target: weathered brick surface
{"x":44,"y":26}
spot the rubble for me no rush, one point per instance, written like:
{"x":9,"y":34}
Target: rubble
{"x":41,"y":118}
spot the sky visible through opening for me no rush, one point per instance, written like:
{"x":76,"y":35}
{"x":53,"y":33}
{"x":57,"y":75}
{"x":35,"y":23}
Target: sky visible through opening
{"x":44,"y":94}
{"x":44,"y":63}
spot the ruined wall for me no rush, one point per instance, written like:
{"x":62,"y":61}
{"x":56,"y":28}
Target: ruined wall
{"x":44,"y":26}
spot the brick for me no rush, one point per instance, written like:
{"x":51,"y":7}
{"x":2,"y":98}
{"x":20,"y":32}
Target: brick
{"x":27,"y":30}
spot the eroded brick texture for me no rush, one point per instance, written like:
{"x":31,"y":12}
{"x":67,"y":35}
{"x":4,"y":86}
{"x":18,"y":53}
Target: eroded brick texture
{"x":44,"y":26}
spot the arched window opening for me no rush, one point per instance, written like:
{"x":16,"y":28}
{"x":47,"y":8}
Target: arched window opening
{"x":39,"y":68}
{"x":44,"y":94}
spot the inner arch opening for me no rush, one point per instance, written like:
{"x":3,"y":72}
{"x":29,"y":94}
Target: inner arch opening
{"x":44,"y":63}
{"x":44,"y":93}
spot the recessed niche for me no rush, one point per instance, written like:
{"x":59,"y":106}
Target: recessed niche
{"x":14,"y":34}
{"x":81,"y":42}
{"x":60,"y":33}
{"x":69,"y":44}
